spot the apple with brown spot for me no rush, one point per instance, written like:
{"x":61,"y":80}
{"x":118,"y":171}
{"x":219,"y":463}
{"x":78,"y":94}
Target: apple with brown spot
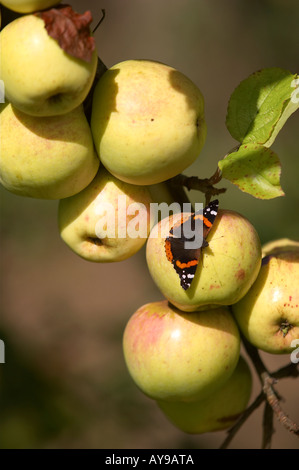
{"x":226,"y":270}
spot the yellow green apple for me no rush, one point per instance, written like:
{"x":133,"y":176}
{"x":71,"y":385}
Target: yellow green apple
{"x":161,"y":193}
{"x":279,"y":245}
{"x":147,"y":121}
{"x":218,"y":411}
{"x":226,"y":270}
{"x":28,"y":6}
{"x":46,"y":157}
{"x":177,"y":356}
{"x":40,"y":78}
{"x":107,"y":221}
{"x":268,"y":315}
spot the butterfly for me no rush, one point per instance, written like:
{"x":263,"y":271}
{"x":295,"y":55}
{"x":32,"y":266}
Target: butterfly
{"x":185,"y":260}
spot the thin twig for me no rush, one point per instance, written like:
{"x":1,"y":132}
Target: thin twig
{"x":205,"y":185}
{"x":268,"y":380}
{"x":273,"y":401}
{"x":269,"y":395}
{"x":256,"y":360}
{"x":290,"y":370}
{"x":100,"y":21}
{"x":268,"y":428}
{"x":235,"y":428}
{"x":178,"y":193}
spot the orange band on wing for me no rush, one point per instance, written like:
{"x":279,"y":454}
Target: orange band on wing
{"x":204,"y":219}
{"x":194,"y":262}
{"x":182,"y":220}
{"x":168,"y":250}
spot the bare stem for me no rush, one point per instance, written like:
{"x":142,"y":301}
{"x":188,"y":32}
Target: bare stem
{"x":268,"y":380}
{"x":235,"y":428}
{"x":268,"y":428}
{"x":100,"y":21}
{"x":205,"y":185}
{"x":177,"y":192}
{"x":269,"y":396}
{"x":273,"y":401}
{"x":290,"y":370}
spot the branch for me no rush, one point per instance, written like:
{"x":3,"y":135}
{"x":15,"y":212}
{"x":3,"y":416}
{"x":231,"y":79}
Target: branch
{"x":290,"y":370}
{"x":270,"y":396}
{"x":273,"y":400}
{"x":268,"y":380}
{"x":177,"y":192}
{"x":268,"y":428}
{"x":235,"y":428}
{"x":205,"y":185}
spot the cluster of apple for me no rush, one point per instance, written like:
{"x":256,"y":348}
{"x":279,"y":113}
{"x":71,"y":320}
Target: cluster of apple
{"x":147,"y":125}
{"x":188,"y":358}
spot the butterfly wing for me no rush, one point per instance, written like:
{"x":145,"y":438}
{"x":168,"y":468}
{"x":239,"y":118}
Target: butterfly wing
{"x":209,"y":215}
{"x":185,"y":261}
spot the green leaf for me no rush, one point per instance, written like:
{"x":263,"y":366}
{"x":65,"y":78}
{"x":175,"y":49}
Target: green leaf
{"x":290,"y":108}
{"x":255,"y":169}
{"x":261,"y":104}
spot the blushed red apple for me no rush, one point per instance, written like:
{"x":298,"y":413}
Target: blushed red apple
{"x":174,"y":356}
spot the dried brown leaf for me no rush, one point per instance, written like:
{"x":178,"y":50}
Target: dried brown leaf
{"x":71,"y":30}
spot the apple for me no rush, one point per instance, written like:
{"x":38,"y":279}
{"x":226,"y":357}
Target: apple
{"x":40,"y":78}
{"x":147,"y":121}
{"x":218,"y":411}
{"x":277,"y":246}
{"x":268,"y":315}
{"x":161,"y":193}
{"x":227,"y":268}
{"x":50,"y":157}
{"x":177,"y":356}
{"x":28,"y":6}
{"x":107,"y":221}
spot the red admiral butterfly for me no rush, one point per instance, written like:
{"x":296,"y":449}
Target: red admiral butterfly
{"x":184,"y":260}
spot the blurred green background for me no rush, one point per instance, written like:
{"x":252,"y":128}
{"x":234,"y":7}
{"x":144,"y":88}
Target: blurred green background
{"x":65,"y":383}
